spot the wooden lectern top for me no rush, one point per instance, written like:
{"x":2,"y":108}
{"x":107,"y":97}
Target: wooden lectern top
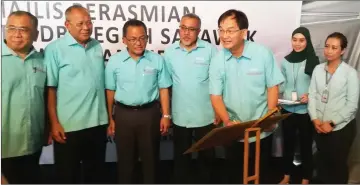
{"x":224,"y":135}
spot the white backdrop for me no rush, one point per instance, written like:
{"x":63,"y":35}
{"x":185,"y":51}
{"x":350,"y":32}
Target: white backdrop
{"x":270,"y":23}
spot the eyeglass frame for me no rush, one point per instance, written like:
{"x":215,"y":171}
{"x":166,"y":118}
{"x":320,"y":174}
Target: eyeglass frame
{"x":142,"y":39}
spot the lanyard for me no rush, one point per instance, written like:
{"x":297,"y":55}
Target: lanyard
{"x":295,"y":75}
{"x":327,"y":79}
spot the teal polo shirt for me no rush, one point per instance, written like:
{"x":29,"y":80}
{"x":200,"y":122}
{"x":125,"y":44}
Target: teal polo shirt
{"x":243,"y":81}
{"x":189,"y":71}
{"x":78,"y":74}
{"x":295,"y":80}
{"x":22,"y":106}
{"x":136,"y":82}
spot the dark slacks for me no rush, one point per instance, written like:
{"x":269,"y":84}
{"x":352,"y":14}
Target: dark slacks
{"x":235,"y":160}
{"x":333,"y":151}
{"x":302,"y":124}
{"x":137,"y":131}
{"x":183,"y":138}
{"x":87,"y":146}
{"x":23,"y":169}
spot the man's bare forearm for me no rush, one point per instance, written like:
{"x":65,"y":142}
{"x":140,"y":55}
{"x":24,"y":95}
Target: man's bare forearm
{"x":219,"y":107}
{"x":165,"y":101}
{"x":110,"y":94}
{"x":51,"y":102}
{"x":272,"y":97}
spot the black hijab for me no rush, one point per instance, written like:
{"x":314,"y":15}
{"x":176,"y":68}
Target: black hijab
{"x":308,"y":53}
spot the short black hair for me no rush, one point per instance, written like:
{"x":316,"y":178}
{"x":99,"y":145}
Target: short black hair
{"x":133,"y":22}
{"x":341,"y":37}
{"x":34,"y":19}
{"x":239,"y":16}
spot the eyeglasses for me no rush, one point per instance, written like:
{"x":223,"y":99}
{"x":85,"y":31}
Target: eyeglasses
{"x":229,"y":32}
{"x":13,"y":29}
{"x":190,"y":29}
{"x":142,"y":39}
{"x":81,"y":24}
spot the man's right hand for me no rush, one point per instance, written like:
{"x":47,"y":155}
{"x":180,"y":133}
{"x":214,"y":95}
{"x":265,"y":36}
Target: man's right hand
{"x":111,"y":128}
{"x":58,"y":133}
{"x":230,"y":122}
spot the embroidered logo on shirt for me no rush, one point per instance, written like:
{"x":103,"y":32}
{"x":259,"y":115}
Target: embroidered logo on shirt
{"x":200,"y":61}
{"x":37,"y":69}
{"x":254,"y":71}
{"x":149,"y":70}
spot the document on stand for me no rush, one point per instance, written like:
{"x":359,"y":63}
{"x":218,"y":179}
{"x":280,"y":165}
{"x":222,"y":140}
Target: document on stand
{"x":288,"y":102}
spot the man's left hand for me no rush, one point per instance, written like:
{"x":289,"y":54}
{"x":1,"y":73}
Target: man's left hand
{"x":164,"y":125}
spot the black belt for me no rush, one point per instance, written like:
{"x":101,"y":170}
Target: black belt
{"x":144,"y":106}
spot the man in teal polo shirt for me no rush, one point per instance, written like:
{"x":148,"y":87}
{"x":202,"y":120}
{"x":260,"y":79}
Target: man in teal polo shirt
{"x":188,"y":63}
{"x":136,"y":79}
{"x":244,"y":79}
{"x":22,"y":94}
{"x":76,"y":100}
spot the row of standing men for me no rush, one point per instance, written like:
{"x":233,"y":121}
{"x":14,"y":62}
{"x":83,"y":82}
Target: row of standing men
{"x":129,"y":99}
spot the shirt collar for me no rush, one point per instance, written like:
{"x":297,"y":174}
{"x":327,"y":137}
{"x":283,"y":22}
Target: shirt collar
{"x":199,"y":44}
{"x":6,"y":51}
{"x":70,"y":40}
{"x":126,"y":55}
{"x":246,"y":52}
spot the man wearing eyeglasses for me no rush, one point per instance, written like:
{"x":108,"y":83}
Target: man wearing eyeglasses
{"x":244,"y":81}
{"x":22,"y":94}
{"x":188,"y":63}
{"x":76,"y":100}
{"x":135,"y":80}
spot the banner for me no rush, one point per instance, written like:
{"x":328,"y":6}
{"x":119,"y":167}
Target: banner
{"x":270,"y":23}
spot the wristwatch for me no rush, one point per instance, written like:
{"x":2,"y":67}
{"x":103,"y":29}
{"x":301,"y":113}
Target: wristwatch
{"x":167,"y":116}
{"x":332,"y":124}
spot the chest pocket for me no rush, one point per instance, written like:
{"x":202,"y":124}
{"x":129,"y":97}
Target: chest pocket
{"x":69,"y":67}
{"x":256,"y":77}
{"x":124,"y":80}
{"x":201,"y":67}
{"x":38,"y":76}
{"x":150,"y":76}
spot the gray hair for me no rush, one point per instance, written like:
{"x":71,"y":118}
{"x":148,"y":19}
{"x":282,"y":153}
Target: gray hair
{"x":34,"y":19}
{"x":193,"y":16}
{"x":74,"y":7}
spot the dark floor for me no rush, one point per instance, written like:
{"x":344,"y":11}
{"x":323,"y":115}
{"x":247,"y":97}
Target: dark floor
{"x":274,"y":176}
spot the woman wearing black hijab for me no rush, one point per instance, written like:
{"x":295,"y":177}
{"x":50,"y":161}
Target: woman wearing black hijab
{"x":297,"y":69}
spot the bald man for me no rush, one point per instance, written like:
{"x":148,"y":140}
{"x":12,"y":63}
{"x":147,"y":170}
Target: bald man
{"x":76,"y":100}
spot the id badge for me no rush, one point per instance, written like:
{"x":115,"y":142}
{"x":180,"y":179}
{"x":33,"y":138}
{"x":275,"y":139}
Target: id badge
{"x":294,"y":96}
{"x":325,"y":96}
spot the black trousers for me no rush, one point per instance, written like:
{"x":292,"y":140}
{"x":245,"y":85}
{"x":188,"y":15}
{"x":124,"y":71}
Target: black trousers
{"x":333,"y":151}
{"x":235,"y":160}
{"x":183,"y":138}
{"x":137,"y":134}
{"x":87,"y":146}
{"x":302,"y":124}
{"x":23,"y":169}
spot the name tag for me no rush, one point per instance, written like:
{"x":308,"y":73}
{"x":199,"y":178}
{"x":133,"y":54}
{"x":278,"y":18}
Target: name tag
{"x":254,"y":71}
{"x":149,"y":70}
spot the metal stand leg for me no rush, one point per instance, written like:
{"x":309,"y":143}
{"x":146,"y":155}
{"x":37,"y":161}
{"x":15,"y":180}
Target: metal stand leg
{"x":256,"y":176}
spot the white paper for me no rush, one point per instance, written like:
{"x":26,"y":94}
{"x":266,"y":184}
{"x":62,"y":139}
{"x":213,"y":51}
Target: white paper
{"x":288,"y":102}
